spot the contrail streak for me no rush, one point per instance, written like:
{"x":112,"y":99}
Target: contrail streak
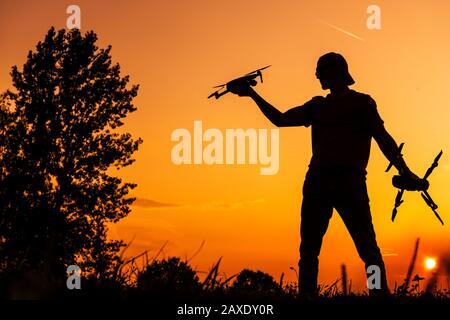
{"x":342,"y":30}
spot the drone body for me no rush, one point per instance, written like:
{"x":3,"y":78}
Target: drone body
{"x":249,"y":78}
{"x":410,"y":184}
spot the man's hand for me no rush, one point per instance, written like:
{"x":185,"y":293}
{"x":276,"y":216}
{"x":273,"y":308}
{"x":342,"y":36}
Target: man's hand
{"x":403,"y":169}
{"x":241,"y":88}
{"x":406,"y":172}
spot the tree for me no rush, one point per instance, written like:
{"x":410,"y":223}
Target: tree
{"x":59,"y":140}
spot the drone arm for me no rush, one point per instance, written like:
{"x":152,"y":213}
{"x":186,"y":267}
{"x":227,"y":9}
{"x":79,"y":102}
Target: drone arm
{"x":219,"y":94}
{"x":433,"y":165}
{"x":390,"y":149}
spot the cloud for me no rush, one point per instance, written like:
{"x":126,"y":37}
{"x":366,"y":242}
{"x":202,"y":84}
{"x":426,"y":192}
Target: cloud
{"x":388,"y":253}
{"x":230,"y":205}
{"x":224,"y":205}
{"x":149,"y":204}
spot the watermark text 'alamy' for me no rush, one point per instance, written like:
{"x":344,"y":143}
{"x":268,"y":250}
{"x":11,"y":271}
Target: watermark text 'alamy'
{"x":235,"y":146}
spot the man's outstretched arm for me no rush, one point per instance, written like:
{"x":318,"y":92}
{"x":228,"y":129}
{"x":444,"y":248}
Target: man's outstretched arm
{"x":294,"y":117}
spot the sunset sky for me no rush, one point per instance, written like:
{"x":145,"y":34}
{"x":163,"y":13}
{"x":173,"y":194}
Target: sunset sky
{"x":177,"y":50}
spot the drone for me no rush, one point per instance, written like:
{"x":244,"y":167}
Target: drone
{"x":410,"y":184}
{"x":249,"y":78}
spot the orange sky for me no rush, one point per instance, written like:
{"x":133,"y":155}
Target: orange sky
{"x":177,"y":50}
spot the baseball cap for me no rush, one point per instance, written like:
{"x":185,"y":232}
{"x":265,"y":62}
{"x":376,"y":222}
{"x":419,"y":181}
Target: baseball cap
{"x":338,"y":62}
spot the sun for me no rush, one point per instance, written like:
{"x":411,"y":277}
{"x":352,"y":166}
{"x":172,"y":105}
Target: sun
{"x":430,"y":263}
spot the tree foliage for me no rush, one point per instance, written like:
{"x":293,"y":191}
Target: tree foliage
{"x":169,"y":278}
{"x":59,"y":140}
{"x":251,"y":283}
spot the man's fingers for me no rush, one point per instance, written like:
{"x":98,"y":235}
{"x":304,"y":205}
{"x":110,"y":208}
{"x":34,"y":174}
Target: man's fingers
{"x":241,"y":88}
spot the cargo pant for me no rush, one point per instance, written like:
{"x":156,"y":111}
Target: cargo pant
{"x":346,"y":191}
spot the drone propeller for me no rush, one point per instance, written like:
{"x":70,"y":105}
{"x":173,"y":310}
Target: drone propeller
{"x":398,"y":202}
{"x":433,"y":165}
{"x":399,"y":154}
{"x":260,"y":69}
{"x":217,"y":94}
{"x":214,"y":94}
{"x":429,"y":201}
{"x":437,"y":216}
{"x":258,"y":73}
{"x":249,"y":78}
{"x":413,"y":184}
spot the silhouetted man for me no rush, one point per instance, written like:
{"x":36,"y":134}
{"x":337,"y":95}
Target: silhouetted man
{"x":343,"y":124}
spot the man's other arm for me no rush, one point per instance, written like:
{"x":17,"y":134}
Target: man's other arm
{"x":390,"y":149}
{"x":385,"y":141}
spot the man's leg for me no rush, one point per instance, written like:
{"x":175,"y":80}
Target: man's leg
{"x":352,"y":204}
{"x":316,"y":212}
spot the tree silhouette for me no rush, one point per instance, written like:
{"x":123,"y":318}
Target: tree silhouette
{"x":58,"y":144}
{"x":252,"y":284}
{"x":169,"y":279}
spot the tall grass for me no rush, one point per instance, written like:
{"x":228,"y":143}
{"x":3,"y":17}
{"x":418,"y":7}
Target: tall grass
{"x":257,"y":284}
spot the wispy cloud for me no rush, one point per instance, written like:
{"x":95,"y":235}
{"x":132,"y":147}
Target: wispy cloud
{"x":341,"y":30}
{"x":388,"y":253}
{"x":230,"y":205}
{"x":148,"y":203}
{"x":224,"y":205}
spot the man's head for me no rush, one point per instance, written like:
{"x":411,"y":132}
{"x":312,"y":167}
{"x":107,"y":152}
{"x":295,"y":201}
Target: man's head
{"x":332,"y":70}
